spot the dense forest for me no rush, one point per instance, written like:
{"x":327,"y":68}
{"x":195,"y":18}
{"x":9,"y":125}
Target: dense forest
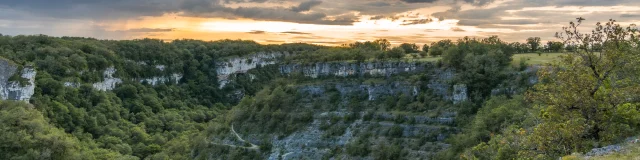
{"x":508,"y":109}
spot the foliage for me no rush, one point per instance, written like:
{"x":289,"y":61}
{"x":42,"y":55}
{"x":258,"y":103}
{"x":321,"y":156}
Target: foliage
{"x":438,"y":48}
{"x":534,"y":43}
{"x":554,"y":46}
{"x":587,"y":97}
{"x":396,"y":53}
{"x":481,"y":64}
{"x":377,"y":45}
{"x":425,"y":48}
{"x":25,"y":134}
{"x":409,"y":47}
{"x":265,"y":113}
{"x":496,"y":114}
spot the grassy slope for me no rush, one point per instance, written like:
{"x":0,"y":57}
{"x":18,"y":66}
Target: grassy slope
{"x":532,"y":58}
{"x":629,"y":151}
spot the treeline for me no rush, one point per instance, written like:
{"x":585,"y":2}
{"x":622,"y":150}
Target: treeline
{"x":382,"y":49}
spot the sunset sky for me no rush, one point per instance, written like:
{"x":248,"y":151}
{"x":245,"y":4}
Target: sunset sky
{"x":326,"y":22}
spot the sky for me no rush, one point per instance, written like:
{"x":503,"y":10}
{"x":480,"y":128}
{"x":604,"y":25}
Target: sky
{"x":324,"y":22}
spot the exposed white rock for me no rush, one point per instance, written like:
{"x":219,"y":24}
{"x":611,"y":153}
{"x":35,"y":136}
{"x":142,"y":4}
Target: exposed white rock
{"x":16,"y":91}
{"x":6,"y":71}
{"x":161,"y":67}
{"x":244,"y":64}
{"x":72,"y":84}
{"x":459,"y":93}
{"x":109,"y":82}
{"x":344,"y":69}
{"x":175,"y":78}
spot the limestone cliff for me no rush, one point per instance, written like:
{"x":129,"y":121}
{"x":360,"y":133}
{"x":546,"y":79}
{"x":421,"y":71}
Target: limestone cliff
{"x":109,"y":82}
{"x":344,"y":69}
{"x":16,"y":90}
{"x":243,"y":64}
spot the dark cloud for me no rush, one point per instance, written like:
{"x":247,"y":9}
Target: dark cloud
{"x":115,"y":9}
{"x":150,"y":30}
{"x":630,"y":15}
{"x":294,"y":32}
{"x":478,"y":2}
{"x":257,"y":32}
{"x":417,"y":21}
{"x":419,"y":1}
{"x":456,"y":29}
{"x":379,"y":4}
{"x":378,"y":17}
{"x":306,"y":6}
{"x":240,"y":1}
{"x":330,"y":12}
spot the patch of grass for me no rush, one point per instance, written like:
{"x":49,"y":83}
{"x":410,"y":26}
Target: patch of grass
{"x":534,"y":58}
{"x":421,"y":59}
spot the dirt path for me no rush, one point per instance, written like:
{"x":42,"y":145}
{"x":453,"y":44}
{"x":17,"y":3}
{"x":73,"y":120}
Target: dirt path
{"x":253,"y":146}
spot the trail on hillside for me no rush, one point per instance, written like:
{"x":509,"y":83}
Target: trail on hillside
{"x":253,"y":146}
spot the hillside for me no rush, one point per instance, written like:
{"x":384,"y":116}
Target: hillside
{"x":478,"y":98}
{"x":188,"y":99}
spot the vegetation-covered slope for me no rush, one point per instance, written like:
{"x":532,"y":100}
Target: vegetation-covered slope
{"x":187,"y":99}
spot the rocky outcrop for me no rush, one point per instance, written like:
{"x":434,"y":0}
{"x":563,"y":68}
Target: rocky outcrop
{"x":15,"y":90}
{"x":175,"y":78}
{"x":314,"y":143}
{"x":22,"y":91}
{"x":243,"y":64}
{"x":373,"y":91}
{"x":344,"y":69}
{"x":459,"y":93}
{"x":109,"y":82}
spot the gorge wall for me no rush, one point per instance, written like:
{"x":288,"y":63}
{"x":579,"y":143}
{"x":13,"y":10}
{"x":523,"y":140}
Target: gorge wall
{"x":21,"y":88}
{"x":230,"y":66}
{"x":344,"y":69}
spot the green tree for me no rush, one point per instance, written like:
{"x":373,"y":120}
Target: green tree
{"x":438,"y":48}
{"x":555,"y":46}
{"x":588,"y":97}
{"x":534,"y":43}
{"x":383,"y":43}
{"x":409,"y":47}
{"x":425,"y":48}
{"x":396,"y":52}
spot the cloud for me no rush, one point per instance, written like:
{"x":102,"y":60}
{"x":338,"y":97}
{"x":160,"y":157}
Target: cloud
{"x":456,"y":29}
{"x":419,"y":1}
{"x":294,"y":32}
{"x":630,"y":15}
{"x":416,"y":21}
{"x":257,"y":32}
{"x":306,"y":6}
{"x":130,"y":9}
{"x":150,"y":30}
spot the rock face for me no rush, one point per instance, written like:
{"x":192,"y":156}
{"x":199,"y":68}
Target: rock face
{"x":459,"y":93}
{"x":109,"y":82}
{"x":344,"y":69}
{"x":11,"y":90}
{"x":244,"y":64}
{"x":313,"y":143}
{"x":373,"y":91}
{"x":439,"y":82}
{"x":22,"y":92}
{"x":6,"y":71}
{"x":175,"y":78}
